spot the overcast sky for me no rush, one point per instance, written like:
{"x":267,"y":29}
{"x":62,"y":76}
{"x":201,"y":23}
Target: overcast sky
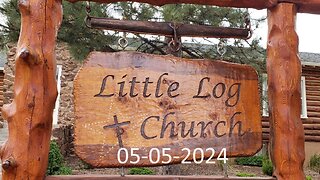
{"x":308,"y":29}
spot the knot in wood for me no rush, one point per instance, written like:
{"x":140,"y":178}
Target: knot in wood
{"x":167,"y":104}
{"x":123,"y":99}
{"x":9,"y":163}
{"x":24,"y":54}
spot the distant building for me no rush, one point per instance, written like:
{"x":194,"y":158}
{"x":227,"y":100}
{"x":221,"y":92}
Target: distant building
{"x":310,"y":104}
{"x":3,"y":60}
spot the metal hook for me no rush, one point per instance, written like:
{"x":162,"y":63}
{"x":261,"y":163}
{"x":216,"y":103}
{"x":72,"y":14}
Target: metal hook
{"x":123,"y":42}
{"x":248,"y":25}
{"x":87,"y":19}
{"x":174,"y":44}
{"x":221,"y":48}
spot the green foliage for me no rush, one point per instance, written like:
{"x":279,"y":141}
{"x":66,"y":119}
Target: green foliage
{"x":267,"y":167}
{"x":83,"y":40}
{"x":85,"y":165}
{"x":250,"y":161}
{"x":140,"y":171}
{"x":55,"y":163}
{"x":245,"y":175}
{"x":73,"y":31}
{"x":64,"y":170}
{"x":308,"y":178}
{"x":314,"y":163}
{"x":10,"y":30}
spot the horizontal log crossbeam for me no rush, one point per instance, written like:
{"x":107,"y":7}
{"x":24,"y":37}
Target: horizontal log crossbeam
{"x":303,"y":6}
{"x":166,"y":29}
{"x":137,"y":177}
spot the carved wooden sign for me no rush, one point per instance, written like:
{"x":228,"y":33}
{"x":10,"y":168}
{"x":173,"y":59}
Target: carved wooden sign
{"x":135,"y":109}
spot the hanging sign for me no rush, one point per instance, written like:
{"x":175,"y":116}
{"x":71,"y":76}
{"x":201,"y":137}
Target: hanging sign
{"x":135,"y":109}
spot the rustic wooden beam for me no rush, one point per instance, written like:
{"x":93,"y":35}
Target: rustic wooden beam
{"x":166,"y":28}
{"x":257,"y":4}
{"x":305,"y":6}
{"x":29,"y":116}
{"x":284,"y":73}
{"x":308,"y":138}
{"x":137,"y":177}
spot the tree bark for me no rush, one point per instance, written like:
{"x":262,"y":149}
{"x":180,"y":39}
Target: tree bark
{"x":163,"y":28}
{"x":257,"y":4}
{"x":29,"y":116}
{"x":284,"y":73}
{"x":303,"y":6}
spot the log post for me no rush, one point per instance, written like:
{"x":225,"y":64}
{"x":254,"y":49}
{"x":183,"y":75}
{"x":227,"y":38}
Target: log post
{"x":284,"y":79}
{"x":29,"y":116}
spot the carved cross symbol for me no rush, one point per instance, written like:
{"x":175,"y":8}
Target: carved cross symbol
{"x":118,"y":129}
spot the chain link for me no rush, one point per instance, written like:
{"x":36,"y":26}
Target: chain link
{"x":174,"y":44}
{"x":87,"y":19}
{"x":247,"y":21}
{"x":221,"y":47}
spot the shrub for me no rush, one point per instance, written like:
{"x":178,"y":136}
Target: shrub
{"x":55,"y":162}
{"x":314,"y":163}
{"x":267,"y":167}
{"x":64,"y":170}
{"x":245,"y":175}
{"x":140,"y":171}
{"x":308,"y":178}
{"x":250,"y":161}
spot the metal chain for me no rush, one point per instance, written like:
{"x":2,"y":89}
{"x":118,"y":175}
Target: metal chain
{"x":221,"y":47}
{"x":87,"y":19}
{"x":123,"y":41}
{"x":247,"y":21}
{"x":174,"y":44}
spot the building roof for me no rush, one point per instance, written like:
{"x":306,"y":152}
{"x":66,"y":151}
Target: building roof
{"x":310,"y":58}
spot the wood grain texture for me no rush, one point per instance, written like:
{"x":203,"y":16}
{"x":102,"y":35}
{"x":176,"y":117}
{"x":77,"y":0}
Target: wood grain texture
{"x":135,"y":177}
{"x":164,"y":28}
{"x":258,"y":4}
{"x":229,"y":117}
{"x":284,"y":73}
{"x":29,"y":116}
{"x":305,"y":6}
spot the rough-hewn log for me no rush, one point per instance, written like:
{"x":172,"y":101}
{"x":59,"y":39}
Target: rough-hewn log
{"x":313,"y":103}
{"x":165,"y":28}
{"x":147,"y":177}
{"x":306,"y":6}
{"x":29,"y":116}
{"x":312,"y":126}
{"x":312,"y":132}
{"x":257,"y":4}
{"x":265,"y":138}
{"x":313,"y":98}
{"x":313,"y":93}
{"x":303,"y":6}
{"x":314,"y":114}
{"x":284,"y":74}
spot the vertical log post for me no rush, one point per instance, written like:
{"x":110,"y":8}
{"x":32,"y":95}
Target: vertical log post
{"x":284,"y":79}
{"x":29,"y":116}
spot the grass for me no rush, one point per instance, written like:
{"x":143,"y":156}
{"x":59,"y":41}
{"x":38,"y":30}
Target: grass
{"x":245,"y":175}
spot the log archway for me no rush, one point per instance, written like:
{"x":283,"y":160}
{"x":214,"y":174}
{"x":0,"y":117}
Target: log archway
{"x":29,"y":116}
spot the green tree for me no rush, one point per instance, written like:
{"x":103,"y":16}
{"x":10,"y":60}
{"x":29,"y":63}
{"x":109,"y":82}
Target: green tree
{"x":73,"y":31}
{"x":82,"y":40}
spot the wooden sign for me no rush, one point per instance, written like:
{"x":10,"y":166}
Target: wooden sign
{"x":135,"y":109}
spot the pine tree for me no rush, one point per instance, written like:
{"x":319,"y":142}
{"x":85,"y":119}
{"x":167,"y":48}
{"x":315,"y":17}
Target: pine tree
{"x":82,"y":40}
